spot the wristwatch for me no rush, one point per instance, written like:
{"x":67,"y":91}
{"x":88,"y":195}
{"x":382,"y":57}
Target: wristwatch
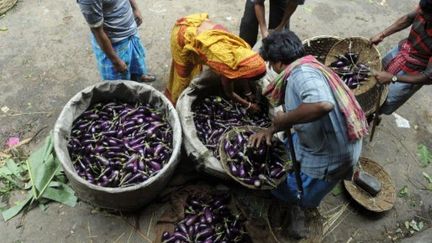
{"x":394,"y":79}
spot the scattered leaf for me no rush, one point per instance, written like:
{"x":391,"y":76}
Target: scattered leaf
{"x":420,"y":225}
{"x":13,"y":167}
{"x":425,"y":155}
{"x":337,"y":190}
{"x":414,"y":226}
{"x":428,"y":177}
{"x":3,"y":28}
{"x":403,"y":192}
{"x":62,"y":194}
{"x":13,"y":211}
{"x":407,"y":225}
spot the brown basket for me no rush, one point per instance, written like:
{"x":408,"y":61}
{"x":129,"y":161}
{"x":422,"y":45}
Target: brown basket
{"x":385,"y":199}
{"x":367,"y":93}
{"x":5,"y":5}
{"x":224,"y":157}
{"x":319,"y":46}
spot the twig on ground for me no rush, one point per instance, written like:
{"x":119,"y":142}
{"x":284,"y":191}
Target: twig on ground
{"x":118,"y":238}
{"x":26,"y":113}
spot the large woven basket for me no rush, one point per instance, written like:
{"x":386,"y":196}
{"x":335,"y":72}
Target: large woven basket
{"x":366,"y":94}
{"x":319,"y":46}
{"x":385,"y":199}
{"x":5,"y":5}
{"x":224,"y":157}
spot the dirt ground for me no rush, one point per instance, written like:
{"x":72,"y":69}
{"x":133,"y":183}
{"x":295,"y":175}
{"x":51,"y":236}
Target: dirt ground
{"x":46,"y":57}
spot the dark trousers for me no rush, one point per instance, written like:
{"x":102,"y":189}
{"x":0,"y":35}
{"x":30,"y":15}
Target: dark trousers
{"x":249,"y":22}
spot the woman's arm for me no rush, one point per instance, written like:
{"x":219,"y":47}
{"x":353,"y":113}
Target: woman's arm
{"x":228,"y":88}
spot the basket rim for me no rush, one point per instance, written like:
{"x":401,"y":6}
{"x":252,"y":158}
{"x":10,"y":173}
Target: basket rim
{"x":329,"y":59}
{"x":224,"y":162}
{"x":386,"y":180}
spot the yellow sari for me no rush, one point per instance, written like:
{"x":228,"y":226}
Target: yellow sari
{"x":225,"y":53}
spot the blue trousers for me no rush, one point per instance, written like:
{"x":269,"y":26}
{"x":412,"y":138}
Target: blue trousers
{"x":314,"y":190}
{"x":130,"y":50}
{"x":399,"y":93}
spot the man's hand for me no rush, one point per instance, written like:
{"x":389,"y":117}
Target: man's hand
{"x":375,"y":40}
{"x":138,"y":17}
{"x":383,"y":77}
{"x":256,"y":139}
{"x":120,"y":66}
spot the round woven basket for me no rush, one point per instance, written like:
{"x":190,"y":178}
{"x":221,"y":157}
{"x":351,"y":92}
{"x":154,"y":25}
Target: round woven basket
{"x":5,"y":5}
{"x":366,"y":94}
{"x":319,"y":46}
{"x":385,"y":199}
{"x":224,"y":157}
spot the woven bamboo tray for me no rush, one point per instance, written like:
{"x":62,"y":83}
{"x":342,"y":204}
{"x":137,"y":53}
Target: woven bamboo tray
{"x":224,"y":157}
{"x":5,"y":5}
{"x":385,"y":199}
{"x":319,"y":46}
{"x":367,"y":93}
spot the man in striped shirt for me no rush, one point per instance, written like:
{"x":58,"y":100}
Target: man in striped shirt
{"x":409,"y":65}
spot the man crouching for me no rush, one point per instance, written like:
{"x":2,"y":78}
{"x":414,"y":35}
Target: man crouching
{"x":328,"y":121}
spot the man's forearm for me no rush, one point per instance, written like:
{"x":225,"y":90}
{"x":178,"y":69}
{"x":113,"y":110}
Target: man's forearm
{"x":133,"y":4}
{"x":303,"y":114}
{"x":260,"y":15}
{"x":105,"y":43}
{"x":400,"y":24}
{"x":414,"y":79}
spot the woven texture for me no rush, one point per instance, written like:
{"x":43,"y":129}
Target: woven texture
{"x":385,"y":199}
{"x":224,"y":157}
{"x":366,"y":94}
{"x":5,"y":5}
{"x":319,"y":46}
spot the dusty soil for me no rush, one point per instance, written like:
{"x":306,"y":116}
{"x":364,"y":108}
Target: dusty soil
{"x":46,"y":57}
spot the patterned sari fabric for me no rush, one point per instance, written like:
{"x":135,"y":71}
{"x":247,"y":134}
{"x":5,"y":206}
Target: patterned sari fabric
{"x":225,"y":53}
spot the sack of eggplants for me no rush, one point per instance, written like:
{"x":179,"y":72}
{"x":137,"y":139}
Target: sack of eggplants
{"x":119,"y":143}
{"x":205,"y":115}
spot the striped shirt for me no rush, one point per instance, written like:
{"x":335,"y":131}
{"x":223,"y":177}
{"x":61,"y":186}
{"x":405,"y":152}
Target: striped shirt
{"x":323,"y":147}
{"x":419,"y":43}
{"x":116,"y":16}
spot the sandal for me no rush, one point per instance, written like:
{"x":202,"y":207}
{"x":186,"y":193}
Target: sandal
{"x":147,"y":78}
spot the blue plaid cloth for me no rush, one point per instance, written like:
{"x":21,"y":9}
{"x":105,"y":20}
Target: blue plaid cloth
{"x":322,"y":147}
{"x":130,"y":50}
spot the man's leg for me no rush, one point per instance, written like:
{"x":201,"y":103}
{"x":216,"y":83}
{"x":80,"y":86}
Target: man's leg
{"x":105,"y":66}
{"x":138,"y":67}
{"x":399,"y":93}
{"x":280,"y":9}
{"x":249,"y":24}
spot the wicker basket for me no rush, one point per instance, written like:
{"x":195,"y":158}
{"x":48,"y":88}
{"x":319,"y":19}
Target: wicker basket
{"x":5,"y":5}
{"x":385,"y":199}
{"x":319,"y":46}
{"x":224,"y":157}
{"x":367,"y":93}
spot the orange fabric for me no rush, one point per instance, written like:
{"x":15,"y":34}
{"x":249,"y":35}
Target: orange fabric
{"x":225,"y":53}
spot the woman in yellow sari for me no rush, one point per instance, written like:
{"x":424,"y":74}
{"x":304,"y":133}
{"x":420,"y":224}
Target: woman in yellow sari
{"x":196,"y":41}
